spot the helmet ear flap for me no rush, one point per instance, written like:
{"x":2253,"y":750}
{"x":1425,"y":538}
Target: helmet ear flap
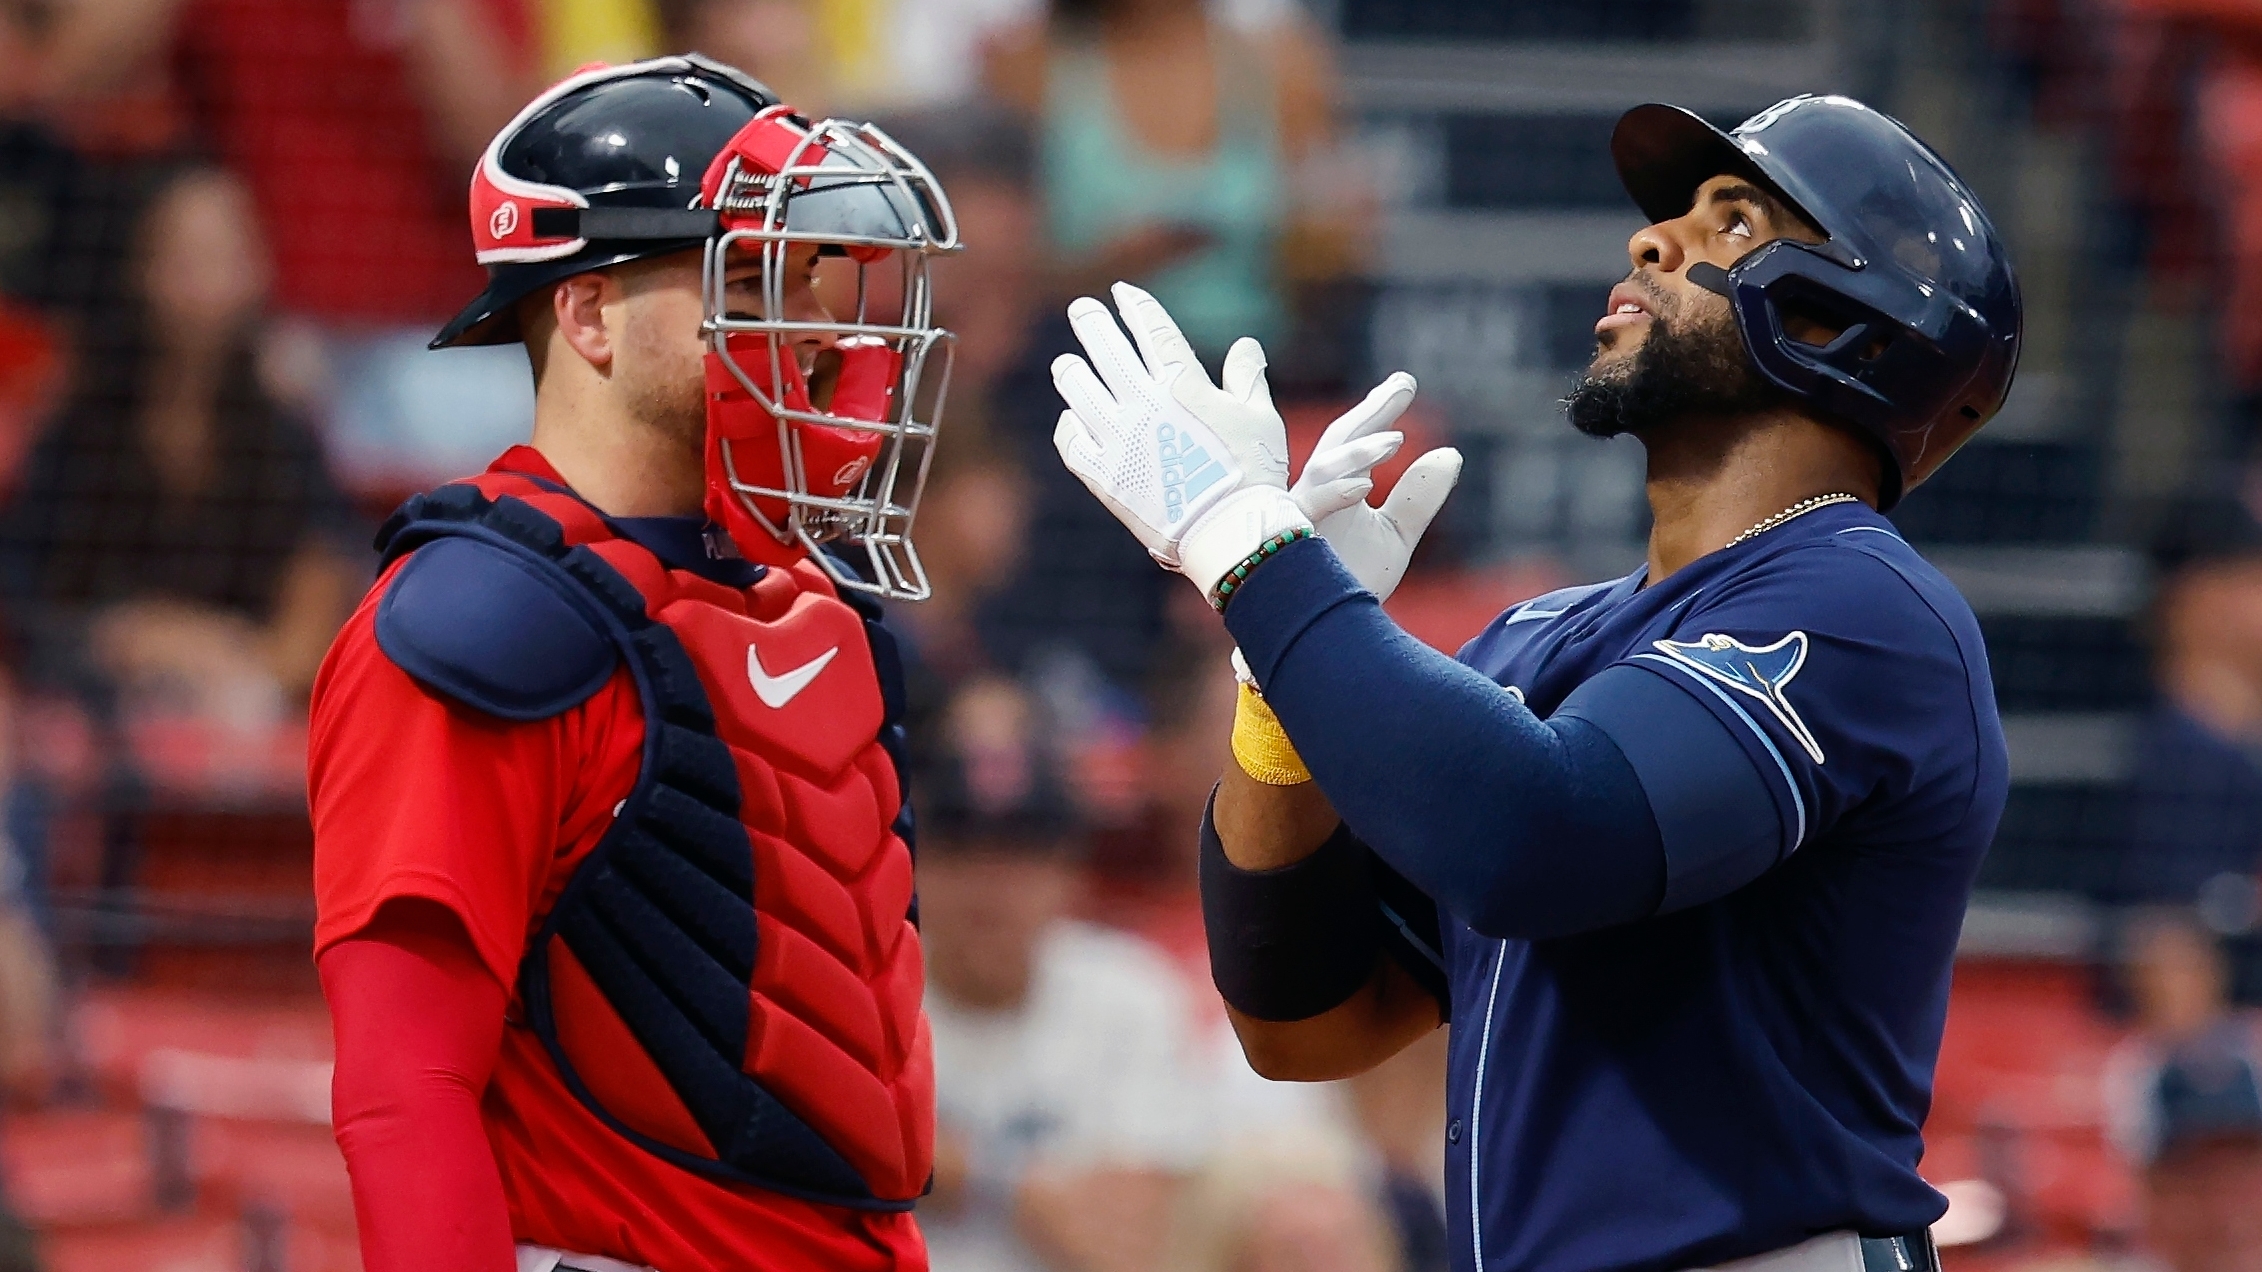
{"x":1832,"y":337}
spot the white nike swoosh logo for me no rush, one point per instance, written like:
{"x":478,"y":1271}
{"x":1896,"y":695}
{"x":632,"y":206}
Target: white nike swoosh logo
{"x":1532,"y":616}
{"x":776,"y":691}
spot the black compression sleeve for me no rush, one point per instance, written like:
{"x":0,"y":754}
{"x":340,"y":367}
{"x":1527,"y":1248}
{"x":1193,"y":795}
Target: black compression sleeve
{"x":1291,"y":943}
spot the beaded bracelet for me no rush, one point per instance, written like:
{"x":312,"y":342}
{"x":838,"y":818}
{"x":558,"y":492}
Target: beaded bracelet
{"x":1239,"y":574}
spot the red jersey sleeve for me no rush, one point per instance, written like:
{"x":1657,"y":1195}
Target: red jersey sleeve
{"x":416,"y":795}
{"x":419,"y":1025}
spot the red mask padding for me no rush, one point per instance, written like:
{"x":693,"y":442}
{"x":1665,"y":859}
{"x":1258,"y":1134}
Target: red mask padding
{"x":763,"y":146}
{"x":833,"y":460}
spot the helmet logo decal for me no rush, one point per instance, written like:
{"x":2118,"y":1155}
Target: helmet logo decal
{"x":850,"y":471}
{"x":504,"y":220}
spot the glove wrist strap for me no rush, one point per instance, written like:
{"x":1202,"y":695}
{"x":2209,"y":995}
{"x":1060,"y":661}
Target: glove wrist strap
{"x":1227,"y":536}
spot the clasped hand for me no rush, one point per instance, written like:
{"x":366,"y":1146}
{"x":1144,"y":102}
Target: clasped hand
{"x":1199,"y":472}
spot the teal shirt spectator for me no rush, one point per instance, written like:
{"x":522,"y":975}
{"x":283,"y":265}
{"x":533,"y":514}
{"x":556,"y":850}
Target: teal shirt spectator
{"x":1101,"y":183}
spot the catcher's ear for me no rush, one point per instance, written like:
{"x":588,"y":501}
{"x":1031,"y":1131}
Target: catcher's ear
{"x":577,"y":305}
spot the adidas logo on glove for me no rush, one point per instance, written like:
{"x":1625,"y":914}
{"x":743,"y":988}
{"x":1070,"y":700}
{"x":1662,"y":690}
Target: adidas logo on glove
{"x":1187,"y":471}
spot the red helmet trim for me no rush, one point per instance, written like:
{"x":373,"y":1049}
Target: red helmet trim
{"x":502,"y":206}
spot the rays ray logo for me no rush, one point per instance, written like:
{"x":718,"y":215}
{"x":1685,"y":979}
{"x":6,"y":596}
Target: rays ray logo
{"x":1187,"y":471}
{"x":1756,"y":671}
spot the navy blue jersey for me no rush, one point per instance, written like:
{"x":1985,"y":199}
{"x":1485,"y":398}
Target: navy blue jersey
{"x":1746,"y":1072}
{"x":1735,"y":1052}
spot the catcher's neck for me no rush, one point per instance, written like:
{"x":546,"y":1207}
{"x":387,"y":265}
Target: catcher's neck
{"x":623,"y":464}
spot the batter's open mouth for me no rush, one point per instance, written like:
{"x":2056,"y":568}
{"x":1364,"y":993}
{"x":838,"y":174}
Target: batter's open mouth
{"x":1627,"y":307}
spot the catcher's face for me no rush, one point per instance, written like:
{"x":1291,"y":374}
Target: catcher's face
{"x":658,"y":364}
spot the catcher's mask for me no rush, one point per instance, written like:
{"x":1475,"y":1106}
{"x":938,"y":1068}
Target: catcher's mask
{"x":848,"y":468}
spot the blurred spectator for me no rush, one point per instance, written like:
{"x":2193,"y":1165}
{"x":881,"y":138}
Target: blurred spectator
{"x":27,"y":965}
{"x":1399,"y":1106}
{"x":2227,"y":127}
{"x":1286,"y":1203}
{"x":1146,"y":878}
{"x":937,"y":47}
{"x":1172,"y":147}
{"x":175,"y":518}
{"x":28,"y":989}
{"x":2196,"y":790}
{"x":574,"y":33}
{"x":2185,"y":1097}
{"x":972,"y":521}
{"x":918,"y":55}
{"x":356,"y":124}
{"x":49,"y":200}
{"x":1086,"y":593}
{"x":779,"y":42}
{"x":989,"y":295}
{"x":1066,"y":1118}
{"x":56,"y":237}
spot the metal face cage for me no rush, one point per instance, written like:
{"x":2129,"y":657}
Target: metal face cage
{"x":854,"y":193}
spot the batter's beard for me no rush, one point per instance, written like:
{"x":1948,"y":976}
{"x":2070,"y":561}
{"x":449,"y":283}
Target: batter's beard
{"x":1683,"y":369}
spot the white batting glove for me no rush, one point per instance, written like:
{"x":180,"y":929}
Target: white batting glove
{"x":1374,"y":543}
{"x":1198,"y":473}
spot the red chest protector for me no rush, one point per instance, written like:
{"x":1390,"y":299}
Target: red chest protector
{"x":730,"y":978}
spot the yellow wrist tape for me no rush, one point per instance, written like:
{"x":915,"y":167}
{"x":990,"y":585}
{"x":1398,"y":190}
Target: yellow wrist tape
{"x":1260,"y":746}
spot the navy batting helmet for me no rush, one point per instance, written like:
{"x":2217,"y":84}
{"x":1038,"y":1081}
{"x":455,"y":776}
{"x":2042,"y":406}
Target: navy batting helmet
{"x":1910,"y":272}
{"x":602,"y":168}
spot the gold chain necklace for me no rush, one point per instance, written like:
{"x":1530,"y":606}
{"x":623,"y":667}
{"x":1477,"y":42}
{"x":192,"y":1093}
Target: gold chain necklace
{"x":1799,"y":509}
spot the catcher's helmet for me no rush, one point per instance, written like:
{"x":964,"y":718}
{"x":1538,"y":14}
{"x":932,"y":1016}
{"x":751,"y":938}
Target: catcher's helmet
{"x":602,"y":168}
{"x":1911,"y":272}
{"x":682,"y":153}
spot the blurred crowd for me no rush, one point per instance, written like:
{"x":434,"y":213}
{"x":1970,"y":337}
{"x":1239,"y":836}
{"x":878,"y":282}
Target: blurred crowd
{"x":228,"y":228}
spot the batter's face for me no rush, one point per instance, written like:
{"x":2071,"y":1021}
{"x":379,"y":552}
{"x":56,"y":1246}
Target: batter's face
{"x":1666,"y":347}
{"x":659,"y":359}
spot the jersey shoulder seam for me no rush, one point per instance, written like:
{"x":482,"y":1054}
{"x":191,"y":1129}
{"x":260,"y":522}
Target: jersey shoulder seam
{"x":1971,"y":794}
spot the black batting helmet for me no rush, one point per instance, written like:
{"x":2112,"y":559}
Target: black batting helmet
{"x":1910,"y":271}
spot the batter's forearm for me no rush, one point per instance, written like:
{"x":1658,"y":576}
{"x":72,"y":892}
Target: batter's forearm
{"x":1383,"y":1018}
{"x":1266,"y":827}
{"x":1294,"y":939}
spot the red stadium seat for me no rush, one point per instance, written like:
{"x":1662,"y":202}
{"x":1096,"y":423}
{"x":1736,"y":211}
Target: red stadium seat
{"x":2018,"y":1101}
{"x":116,"y":1031}
{"x":192,"y":1244}
{"x":75,"y":1168}
{"x":294,"y":1171}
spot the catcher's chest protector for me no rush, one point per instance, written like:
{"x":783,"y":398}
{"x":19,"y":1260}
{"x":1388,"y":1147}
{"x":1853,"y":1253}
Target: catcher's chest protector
{"x":731,"y":978}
